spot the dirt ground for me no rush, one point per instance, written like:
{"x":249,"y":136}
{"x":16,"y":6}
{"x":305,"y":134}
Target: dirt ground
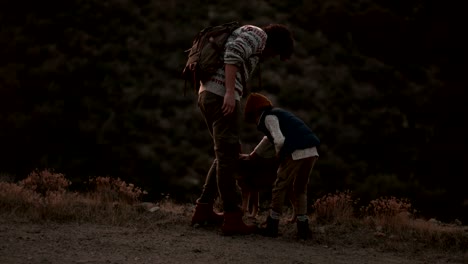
{"x":168,"y":241}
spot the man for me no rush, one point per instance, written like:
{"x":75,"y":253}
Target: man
{"x":219,"y":103}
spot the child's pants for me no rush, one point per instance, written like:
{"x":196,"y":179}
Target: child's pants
{"x":295,"y":174}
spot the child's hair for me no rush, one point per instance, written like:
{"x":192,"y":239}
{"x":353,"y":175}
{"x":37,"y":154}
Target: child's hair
{"x":256,"y":103}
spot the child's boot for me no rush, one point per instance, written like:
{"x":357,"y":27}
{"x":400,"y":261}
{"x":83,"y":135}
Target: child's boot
{"x":204,"y":214}
{"x":303,"y":230}
{"x":271,"y":228}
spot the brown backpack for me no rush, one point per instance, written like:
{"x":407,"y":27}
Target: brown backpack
{"x":205,"y":55}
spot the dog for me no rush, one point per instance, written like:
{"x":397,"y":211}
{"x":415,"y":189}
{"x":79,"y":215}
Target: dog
{"x":255,"y":175}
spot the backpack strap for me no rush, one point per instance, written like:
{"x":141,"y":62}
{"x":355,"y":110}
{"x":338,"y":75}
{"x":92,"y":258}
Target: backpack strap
{"x":194,"y":80}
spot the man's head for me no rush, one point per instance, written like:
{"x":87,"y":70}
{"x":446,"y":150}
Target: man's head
{"x":254,"y":106}
{"x":279,"y":42}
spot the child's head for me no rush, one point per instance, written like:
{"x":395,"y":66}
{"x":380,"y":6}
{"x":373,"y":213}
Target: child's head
{"x":255,"y":105}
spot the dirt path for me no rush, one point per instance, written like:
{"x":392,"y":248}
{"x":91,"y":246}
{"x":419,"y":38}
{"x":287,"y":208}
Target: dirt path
{"x":22,"y":243}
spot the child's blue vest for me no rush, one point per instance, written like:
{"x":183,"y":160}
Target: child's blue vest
{"x":296,"y":133}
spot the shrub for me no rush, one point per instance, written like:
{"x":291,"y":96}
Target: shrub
{"x":15,"y":198}
{"x":337,"y":207}
{"x":389,"y":212}
{"x":46,"y":183}
{"x":109,"y":189}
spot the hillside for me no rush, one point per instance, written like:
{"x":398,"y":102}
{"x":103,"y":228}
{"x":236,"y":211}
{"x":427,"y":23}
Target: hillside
{"x":92,"y":88}
{"x":41,"y":221}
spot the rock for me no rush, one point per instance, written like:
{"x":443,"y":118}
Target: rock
{"x":150,"y":207}
{"x":321,"y":230}
{"x":457,"y":222}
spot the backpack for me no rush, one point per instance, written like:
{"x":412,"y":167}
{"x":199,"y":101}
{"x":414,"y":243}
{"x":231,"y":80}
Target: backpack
{"x":205,"y":55}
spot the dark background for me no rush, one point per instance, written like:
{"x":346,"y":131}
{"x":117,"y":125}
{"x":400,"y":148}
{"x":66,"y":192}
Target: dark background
{"x":92,"y":88}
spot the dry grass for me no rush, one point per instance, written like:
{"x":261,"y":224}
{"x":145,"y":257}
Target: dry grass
{"x":43,"y":196}
{"x":335,"y":208}
{"x":388,"y":222}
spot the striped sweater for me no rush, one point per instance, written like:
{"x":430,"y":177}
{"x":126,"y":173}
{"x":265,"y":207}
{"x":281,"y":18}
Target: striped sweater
{"x":242,"y":49}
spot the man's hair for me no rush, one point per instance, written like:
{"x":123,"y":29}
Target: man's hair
{"x":280,"y":39}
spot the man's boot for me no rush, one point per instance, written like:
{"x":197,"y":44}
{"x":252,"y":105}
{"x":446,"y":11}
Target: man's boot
{"x":204,"y":215}
{"x":303,"y":230}
{"x":271,"y":228}
{"x":234,"y":225}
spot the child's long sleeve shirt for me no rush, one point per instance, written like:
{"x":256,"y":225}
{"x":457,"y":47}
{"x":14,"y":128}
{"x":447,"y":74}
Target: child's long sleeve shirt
{"x":273,"y":126}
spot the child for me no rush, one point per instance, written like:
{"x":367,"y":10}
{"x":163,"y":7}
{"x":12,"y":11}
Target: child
{"x":296,"y":149}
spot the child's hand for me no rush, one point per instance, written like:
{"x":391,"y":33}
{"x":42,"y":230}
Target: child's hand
{"x":253,"y":156}
{"x":277,"y":156}
{"x":244,"y":156}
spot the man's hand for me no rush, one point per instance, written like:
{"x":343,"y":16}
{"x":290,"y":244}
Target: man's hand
{"x":229,"y":103}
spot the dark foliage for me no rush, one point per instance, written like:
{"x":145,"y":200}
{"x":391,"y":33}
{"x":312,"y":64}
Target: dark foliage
{"x":93,"y":88}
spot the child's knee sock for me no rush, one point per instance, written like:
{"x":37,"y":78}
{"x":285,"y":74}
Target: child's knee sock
{"x":302,"y":218}
{"x":274,"y":215}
